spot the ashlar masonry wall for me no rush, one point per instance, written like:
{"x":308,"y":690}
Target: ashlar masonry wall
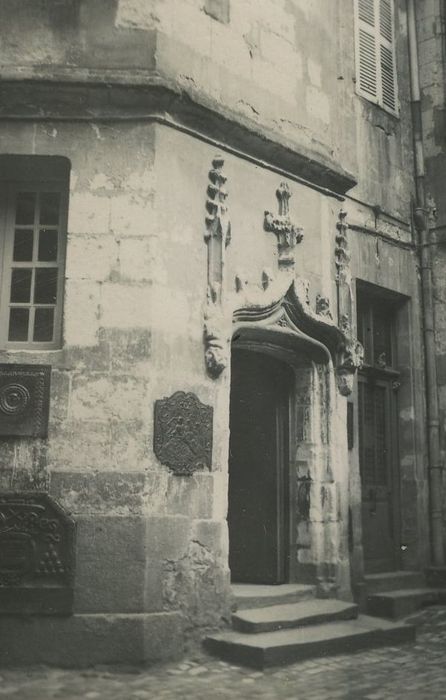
{"x":152,"y":547}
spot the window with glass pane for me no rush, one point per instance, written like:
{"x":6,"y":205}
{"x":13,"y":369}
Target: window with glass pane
{"x":375,"y":331}
{"x":33,"y":265}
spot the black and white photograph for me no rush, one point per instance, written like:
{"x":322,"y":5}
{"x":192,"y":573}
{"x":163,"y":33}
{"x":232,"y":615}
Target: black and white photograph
{"x":222,"y":349}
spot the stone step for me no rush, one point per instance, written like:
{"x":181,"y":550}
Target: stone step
{"x":307,"y":612}
{"x":400,"y":603}
{"x":288,"y":646}
{"x":394,"y":580}
{"x":249,"y":595}
{"x":436,"y":576}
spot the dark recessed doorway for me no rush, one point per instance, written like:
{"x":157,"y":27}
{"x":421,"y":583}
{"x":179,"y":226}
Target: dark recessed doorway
{"x":258,"y":514}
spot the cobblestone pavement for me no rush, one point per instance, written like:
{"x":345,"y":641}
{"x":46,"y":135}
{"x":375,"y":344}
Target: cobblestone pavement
{"x":412,"y":671}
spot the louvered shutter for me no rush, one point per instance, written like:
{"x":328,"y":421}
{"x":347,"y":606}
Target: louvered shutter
{"x":387,"y":55}
{"x":375,"y":52}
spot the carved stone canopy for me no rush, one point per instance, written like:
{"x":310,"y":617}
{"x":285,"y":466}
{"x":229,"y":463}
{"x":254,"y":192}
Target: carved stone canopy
{"x":290,"y":321}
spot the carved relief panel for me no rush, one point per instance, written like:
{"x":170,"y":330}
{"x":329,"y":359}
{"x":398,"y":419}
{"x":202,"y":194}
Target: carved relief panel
{"x":24,"y":400}
{"x":36,"y":555}
{"x":183,"y":433}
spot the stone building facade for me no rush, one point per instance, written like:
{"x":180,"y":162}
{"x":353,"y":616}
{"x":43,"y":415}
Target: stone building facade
{"x":192,"y":191}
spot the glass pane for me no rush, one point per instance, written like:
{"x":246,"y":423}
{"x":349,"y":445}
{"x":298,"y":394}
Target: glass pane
{"x":26,"y":202}
{"x":382,"y":338}
{"x":49,"y":207}
{"x":45,"y":286}
{"x":43,"y":325}
{"x":364,"y":330}
{"x":21,"y":286}
{"x":23,"y":244}
{"x":47,"y":245}
{"x":18,"y":324}
{"x":380,"y":435}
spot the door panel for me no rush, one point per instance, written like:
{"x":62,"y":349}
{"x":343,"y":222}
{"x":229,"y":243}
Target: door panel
{"x":378,"y":475}
{"x":258,"y":458}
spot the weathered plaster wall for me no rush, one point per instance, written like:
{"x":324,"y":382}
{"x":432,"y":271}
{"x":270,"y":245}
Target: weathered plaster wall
{"x":431,"y":17}
{"x":278,"y":67}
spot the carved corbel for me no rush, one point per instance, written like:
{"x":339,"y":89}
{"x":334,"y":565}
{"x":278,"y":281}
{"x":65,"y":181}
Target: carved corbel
{"x":323,"y":306}
{"x":350,"y":359}
{"x":288,"y":234}
{"x":351,"y":352}
{"x":217,"y":238}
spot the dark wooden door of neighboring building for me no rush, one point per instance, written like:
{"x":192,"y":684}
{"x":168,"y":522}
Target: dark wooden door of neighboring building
{"x":377,"y":428}
{"x":258,"y":468}
{"x":380,"y":511}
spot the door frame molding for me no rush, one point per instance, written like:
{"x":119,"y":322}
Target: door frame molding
{"x":289,"y":330}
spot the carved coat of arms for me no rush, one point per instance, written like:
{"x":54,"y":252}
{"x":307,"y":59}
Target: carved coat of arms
{"x":183,"y":433}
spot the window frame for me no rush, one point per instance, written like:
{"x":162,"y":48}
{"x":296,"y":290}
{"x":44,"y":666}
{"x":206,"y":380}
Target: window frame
{"x":7,"y":221}
{"x":366,"y":312}
{"x":379,"y":41}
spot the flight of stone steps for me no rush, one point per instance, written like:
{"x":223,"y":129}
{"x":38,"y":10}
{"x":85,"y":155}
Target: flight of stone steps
{"x":276,"y":625}
{"x":398,"y":594}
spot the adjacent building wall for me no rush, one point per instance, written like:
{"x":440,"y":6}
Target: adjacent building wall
{"x":431,"y":18}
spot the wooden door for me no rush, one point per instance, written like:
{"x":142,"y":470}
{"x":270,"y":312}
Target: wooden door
{"x":258,"y":468}
{"x":379,"y":478}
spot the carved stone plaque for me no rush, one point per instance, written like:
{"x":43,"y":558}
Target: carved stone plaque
{"x":183,"y":433}
{"x":36,"y":555}
{"x":24,"y":400}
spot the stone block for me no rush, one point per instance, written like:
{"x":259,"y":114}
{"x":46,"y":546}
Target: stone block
{"x":94,"y":358}
{"x":129,"y":445}
{"x":103,"y":397}
{"x":81,"y":312}
{"x":60,"y":393}
{"x":213,"y":535}
{"x":7,"y":461}
{"x":153,"y":600}
{"x":130,"y":215}
{"x":105,"y":492}
{"x":78,"y":445}
{"x":318,"y":104}
{"x":129,"y":348}
{"x":166,"y":538}
{"x":111,"y":564}
{"x":279,"y":52}
{"x":88,"y":213}
{"x":89,"y":640}
{"x":91,"y":257}
{"x":124,"y":306}
{"x":136,"y":259}
{"x":191,"y":496}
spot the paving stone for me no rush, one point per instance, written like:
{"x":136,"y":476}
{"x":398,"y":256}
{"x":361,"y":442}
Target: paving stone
{"x":418,"y":673}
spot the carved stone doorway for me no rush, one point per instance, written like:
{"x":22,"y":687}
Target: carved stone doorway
{"x":258,"y":514}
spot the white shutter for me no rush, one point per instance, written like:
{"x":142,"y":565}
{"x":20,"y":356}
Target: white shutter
{"x":387,"y":55}
{"x":375,"y":52}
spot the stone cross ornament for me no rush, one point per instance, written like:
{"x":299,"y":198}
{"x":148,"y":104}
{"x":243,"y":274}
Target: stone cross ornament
{"x":288,"y":234}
